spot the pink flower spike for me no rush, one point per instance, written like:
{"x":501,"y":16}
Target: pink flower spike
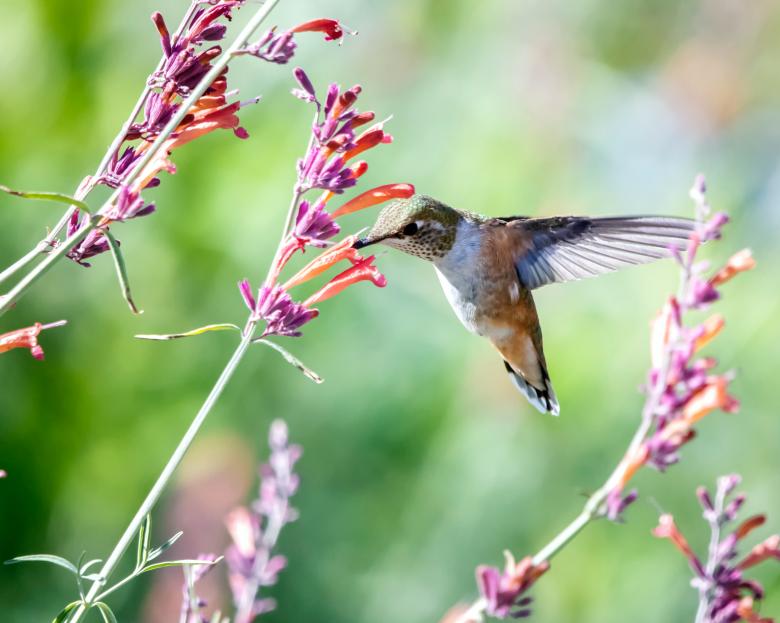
{"x":364,"y":270}
{"x":374,"y":196}
{"x":332,"y":29}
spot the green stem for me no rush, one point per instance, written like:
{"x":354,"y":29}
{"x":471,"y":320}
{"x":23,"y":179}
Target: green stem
{"x":154,"y":149}
{"x":162,"y":480}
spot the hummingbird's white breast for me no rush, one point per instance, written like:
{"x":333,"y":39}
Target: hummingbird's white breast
{"x":460,"y":274}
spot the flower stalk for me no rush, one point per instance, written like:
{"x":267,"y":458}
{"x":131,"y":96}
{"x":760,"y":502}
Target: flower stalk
{"x":154,"y":151}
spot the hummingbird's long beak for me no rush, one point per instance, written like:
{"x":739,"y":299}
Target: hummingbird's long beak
{"x":364,"y":242}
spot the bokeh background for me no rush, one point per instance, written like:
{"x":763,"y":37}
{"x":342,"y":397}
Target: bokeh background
{"x":420,"y":461}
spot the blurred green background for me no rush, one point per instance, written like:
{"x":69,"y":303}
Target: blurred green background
{"x":421,"y":460}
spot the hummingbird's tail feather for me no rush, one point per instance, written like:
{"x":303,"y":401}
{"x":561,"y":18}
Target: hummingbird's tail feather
{"x":544,"y":400}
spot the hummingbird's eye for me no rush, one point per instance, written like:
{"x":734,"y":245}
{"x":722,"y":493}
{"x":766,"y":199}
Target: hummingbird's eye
{"x":410,"y":229}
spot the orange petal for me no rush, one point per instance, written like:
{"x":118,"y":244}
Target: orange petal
{"x":375,"y":196}
{"x":739,"y":262}
{"x":748,"y":614}
{"x":712,"y":396}
{"x":667,"y":529}
{"x":770,"y":548}
{"x":341,"y":251}
{"x":750,"y":524}
{"x":712,"y":326}
{"x":367,"y":140}
{"x":364,"y":270}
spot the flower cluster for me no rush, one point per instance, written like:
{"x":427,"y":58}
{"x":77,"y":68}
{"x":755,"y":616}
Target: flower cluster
{"x":725,"y":595}
{"x":326,"y":167}
{"x":280,"y":47}
{"x":683,"y":387}
{"x":27,"y":338}
{"x":185,"y":63}
{"x":255,"y":531}
{"x":188,"y":57}
{"x":504,"y":592}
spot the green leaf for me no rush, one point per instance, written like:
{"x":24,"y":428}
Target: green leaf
{"x":121,"y":271}
{"x":155,"y":553}
{"x":54,"y":560}
{"x":47,"y":196}
{"x":200,"y":330}
{"x":292,"y":360}
{"x":179,"y":563}
{"x":106,"y":612}
{"x":65,"y":612}
{"x":144,"y":541}
{"x":83,"y":568}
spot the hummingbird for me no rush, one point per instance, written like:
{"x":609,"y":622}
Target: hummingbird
{"x":489,"y":266}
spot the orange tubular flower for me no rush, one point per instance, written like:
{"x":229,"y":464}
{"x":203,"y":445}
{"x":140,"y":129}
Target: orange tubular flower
{"x":750,"y":524}
{"x":364,"y":270}
{"x":27,"y":338}
{"x":739,"y":262}
{"x":711,"y":328}
{"x":367,"y":140}
{"x":667,"y":529}
{"x":332,"y":29}
{"x":712,"y":396}
{"x":341,"y":251}
{"x":375,"y":196}
{"x":770,"y":548}
{"x":748,"y":614}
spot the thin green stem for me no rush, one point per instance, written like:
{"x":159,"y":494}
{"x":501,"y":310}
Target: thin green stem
{"x":162,"y":480}
{"x":216,"y":70}
{"x":246,"y":338}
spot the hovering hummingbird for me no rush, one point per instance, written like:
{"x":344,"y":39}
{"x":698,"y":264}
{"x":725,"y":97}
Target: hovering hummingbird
{"x":489,"y":266}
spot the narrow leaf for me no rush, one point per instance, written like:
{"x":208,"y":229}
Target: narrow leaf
{"x":54,"y":560}
{"x":65,"y":612}
{"x":179,"y":563}
{"x":159,"y":550}
{"x":83,"y":568}
{"x":121,"y":271}
{"x":292,"y":360}
{"x":106,"y":612}
{"x":144,"y":540}
{"x":47,"y":196}
{"x":200,"y":330}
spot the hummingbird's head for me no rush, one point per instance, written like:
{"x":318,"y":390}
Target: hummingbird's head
{"x":419,"y":226}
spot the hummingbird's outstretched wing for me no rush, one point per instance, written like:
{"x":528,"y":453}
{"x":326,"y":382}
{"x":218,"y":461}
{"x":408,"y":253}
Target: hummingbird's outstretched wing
{"x":549,"y":250}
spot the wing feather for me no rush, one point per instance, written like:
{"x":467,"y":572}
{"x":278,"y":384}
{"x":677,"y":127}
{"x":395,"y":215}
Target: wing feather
{"x":558,"y":249}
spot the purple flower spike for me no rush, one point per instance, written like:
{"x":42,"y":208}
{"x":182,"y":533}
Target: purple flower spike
{"x":255,"y":530}
{"x":314,"y":225}
{"x":725,"y":594}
